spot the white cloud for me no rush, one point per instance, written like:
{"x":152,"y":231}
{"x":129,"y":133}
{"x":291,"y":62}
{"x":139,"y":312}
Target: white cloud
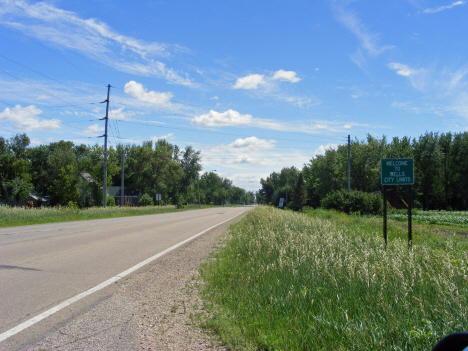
{"x":234,"y":118}
{"x":26,"y":119}
{"x":457,"y":80}
{"x":221,"y":119}
{"x":92,"y":38}
{"x":248,"y":181}
{"x":417,"y":77}
{"x":35,"y":142}
{"x":323,"y":148}
{"x":442,"y":8}
{"x":164,"y":137}
{"x":122,"y":115}
{"x":94,"y":129}
{"x":287,"y":76}
{"x":254,"y":143}
{"x":250,"y":82}
{"x":255,"y":81}
{"x":242,"y":159}
{"x":137,"y":91}
{"x":250,"y":150}
{"x":268,"y":87}
{"x":407,"y":106}
{"x":402,"y":70}
{"x":369,"y":41}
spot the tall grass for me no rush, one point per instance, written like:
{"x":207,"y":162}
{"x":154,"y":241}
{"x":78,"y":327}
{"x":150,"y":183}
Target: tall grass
{"x":286,"y":281}
{"x":16,"y":216}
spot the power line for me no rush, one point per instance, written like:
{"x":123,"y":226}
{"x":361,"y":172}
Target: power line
{"x":60,"y":57}
{"x":69,"y":86}
{"x":45,"y":92}
{"x":219,"y":133}
{"x":35,"y":115}
{"x":116,"y":126}
{"x":185,"y":115}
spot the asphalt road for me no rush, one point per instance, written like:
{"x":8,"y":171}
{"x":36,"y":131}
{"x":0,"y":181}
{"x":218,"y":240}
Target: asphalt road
{"x":42,"y":266}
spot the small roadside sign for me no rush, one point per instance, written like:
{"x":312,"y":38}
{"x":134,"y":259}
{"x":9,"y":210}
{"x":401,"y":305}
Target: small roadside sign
{"x":281,"y":203}
{"x":158,"y":197}
{"x":397,"y":171}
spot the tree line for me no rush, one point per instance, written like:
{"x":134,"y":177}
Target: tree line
{"x":440,"y":167}
{"x":56,"y":170}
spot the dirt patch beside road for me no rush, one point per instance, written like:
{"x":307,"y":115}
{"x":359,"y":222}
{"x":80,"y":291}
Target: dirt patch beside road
{"x":167,"y":300}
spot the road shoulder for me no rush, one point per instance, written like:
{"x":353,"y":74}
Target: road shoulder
{"x":166,"y":299}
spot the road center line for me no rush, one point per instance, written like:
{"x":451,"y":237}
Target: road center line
{"x":66,"y":303}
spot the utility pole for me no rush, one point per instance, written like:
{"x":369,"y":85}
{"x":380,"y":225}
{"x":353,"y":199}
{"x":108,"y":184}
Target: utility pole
{"x":349,"y":164}
{"x":198,"y":184}
{"x":104,"y":188}
{"x":122,"y":189}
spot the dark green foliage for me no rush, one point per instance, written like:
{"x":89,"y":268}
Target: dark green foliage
{"x":58,"y":170}
{"x":19,"y":188}
{"x":278,"y":185}
{"x":64,"y":187}
{"x":145,"y":200}
{"x":298,"y":195}
{"x":110,"y":201}
{"x":355,"y":201}
{"x":440,"y":169}
{"x":15,"y":180}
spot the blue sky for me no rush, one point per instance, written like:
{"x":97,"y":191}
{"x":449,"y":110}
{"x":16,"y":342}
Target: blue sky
{"x":254,"y":85}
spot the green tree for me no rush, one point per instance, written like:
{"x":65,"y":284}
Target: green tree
{"x":15,"y":179}
{"x":190,"y":163}
{"x":298,"y":195}
{"x":154,"y":169}
{"x":458,"y":166}
{"x":64,"y":187}
{"x":19,"y":188}
{"x":428,"y":164}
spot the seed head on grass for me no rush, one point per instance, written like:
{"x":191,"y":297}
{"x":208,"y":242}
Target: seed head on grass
{"x":293,"y":282}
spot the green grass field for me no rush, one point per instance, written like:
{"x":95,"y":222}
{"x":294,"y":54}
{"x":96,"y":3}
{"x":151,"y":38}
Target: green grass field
{"x":16,"y":216}
{"x":324,"y":281}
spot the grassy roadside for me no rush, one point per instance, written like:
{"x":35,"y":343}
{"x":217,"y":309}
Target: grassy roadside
{"x":17,"y":216}
{"x":288,"y":281}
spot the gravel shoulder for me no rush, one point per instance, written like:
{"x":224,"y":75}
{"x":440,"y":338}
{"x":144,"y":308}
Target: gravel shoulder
{"x":166,"y":299}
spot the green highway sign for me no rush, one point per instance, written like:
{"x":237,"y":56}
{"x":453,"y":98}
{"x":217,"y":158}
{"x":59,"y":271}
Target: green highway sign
{"x":397,"y":171}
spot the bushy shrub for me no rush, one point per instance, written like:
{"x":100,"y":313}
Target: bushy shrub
{"x":110,"y":202}
{"x":145,"y":200}
{"x":355,"y":201}
{"x":72,"y":204}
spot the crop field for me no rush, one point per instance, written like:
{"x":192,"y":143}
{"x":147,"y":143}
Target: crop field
{"x":456,"y":219}
{"x":16,"y":216}
{"x":324,"y":281}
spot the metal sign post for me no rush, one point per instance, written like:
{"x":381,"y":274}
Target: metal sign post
{"x":397,"y":171}
{"x":385,"y":215}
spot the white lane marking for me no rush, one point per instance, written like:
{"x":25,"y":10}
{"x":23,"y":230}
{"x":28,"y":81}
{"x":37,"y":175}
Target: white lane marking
{"x":108,"y":282}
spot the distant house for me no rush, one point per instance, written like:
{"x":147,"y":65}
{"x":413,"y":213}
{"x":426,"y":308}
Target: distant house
{"x":35,"y":199}
{"x":131,"y":195}
{"x":87,"y":185}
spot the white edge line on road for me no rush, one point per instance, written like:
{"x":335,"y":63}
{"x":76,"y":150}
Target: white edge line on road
{"x":108,"y":282}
